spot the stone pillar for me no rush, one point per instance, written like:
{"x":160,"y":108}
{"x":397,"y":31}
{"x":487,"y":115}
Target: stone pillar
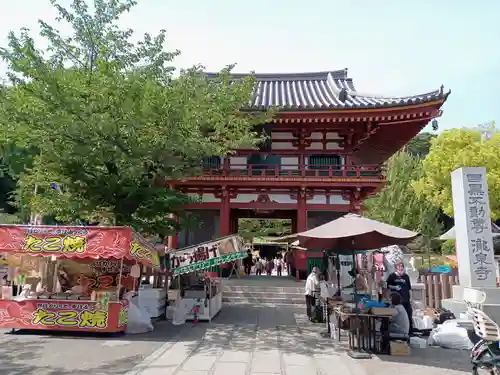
{"x":474,"y":243}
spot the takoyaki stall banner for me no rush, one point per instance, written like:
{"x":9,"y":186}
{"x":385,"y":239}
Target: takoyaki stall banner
{"x":206,"y":255}
{"x":78,"y":242}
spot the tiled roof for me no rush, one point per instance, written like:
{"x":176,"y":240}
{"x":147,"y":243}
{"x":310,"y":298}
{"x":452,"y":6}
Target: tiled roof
{"x":320,"y":91}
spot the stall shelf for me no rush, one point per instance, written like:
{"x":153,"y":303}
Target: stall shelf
{"x":99,"y":306}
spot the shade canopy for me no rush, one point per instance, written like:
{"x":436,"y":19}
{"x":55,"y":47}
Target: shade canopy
{"x":352,"y":232}
{"x":450,"y":235}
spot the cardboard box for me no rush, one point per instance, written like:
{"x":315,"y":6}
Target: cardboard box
{"x":384,"y":311}
{"x":399,"y":348}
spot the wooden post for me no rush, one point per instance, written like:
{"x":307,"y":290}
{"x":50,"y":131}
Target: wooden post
{"x":225,"y":213}
{"x":436,"y":290}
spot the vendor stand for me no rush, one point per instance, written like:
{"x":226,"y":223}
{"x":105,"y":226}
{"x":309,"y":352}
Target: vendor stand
{"x":73,"y":278}
{"x":199,"y":291}
{"x":353,"y":233}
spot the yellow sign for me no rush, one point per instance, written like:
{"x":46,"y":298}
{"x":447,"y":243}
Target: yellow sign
{"x":55,"y":244}
{"x":71,"y":318}
{"x":123,"y":317}
{"x":138,"y":251}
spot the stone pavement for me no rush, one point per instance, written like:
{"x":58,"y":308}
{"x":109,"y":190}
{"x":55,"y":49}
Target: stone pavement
{"x":35,"y":353}
{"x":267,"y":341}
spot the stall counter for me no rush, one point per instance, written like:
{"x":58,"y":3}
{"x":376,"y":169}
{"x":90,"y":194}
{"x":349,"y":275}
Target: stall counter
{"x":208,"y":307}
{"x":63,"y":315}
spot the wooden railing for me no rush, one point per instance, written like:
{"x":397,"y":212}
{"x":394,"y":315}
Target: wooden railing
{"x":293,"y":170}
{"x":437,"y":287}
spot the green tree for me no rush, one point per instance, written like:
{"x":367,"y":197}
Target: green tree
{"x":249,"y":228}
{"x":111,"y":122}
{"x":398,"y":204}
{"x":420,"y":145}
{"x":457,"y":148}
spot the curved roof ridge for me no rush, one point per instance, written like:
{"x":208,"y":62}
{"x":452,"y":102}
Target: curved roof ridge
{"x":302,"y":76}
{"x":437,"y":92}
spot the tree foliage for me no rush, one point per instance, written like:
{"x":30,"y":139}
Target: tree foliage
{"x":398,"y":204}
{"x":110,"y":122}
{"x":420,"y":145}
{"x":457,"y":148}
{"x":250,"y":228}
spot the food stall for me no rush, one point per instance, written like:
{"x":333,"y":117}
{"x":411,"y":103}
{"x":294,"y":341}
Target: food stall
{"x":72,"y":278}
{"x":198,"y":291}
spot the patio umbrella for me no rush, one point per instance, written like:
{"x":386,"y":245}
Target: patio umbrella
{"x":352,"y":232}
{"x":450,"y":235}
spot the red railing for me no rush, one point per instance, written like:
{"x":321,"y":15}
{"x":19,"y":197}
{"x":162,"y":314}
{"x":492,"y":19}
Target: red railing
{"x":293,"y":170}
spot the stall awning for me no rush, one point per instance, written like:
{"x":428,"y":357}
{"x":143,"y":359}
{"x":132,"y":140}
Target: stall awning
{"x":206,"y":255}
{"x":81,"y":242}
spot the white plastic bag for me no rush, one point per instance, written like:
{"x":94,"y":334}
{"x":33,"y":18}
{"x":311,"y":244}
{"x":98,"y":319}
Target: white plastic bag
{"x":180,"y":313}
{"x":138,"y":321}
{"x":450,"y":336}
{"x":423,"y":322}
{"x":418,"y":343}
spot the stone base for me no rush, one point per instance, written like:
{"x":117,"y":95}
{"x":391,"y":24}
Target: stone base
{"x":457,"y":306}
{"x":418,"y":292}
{"x":492,"y":294}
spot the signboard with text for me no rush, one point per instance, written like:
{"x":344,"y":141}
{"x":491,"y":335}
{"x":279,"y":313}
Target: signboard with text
{"x":60,"y":315}
{"x":78,"y":242}
{"x":206,"y":255}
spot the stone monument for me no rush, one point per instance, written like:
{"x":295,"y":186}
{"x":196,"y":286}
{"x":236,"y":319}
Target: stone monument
{"x":474,"y":242}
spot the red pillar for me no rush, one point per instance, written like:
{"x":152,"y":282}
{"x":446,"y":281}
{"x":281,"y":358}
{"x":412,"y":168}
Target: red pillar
{"x":225,"y":213}
{"x":301,"y":211}
{"x":301,"y":219}
{"x":173,"y":240}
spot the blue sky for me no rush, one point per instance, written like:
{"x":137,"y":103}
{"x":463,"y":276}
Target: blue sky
{"x":391,"y":47}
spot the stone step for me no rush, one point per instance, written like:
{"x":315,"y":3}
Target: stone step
{"x":263,"y":294}
{"x":266,"y":289}
{"x":263,"y":299}
{"x":265,"y":304}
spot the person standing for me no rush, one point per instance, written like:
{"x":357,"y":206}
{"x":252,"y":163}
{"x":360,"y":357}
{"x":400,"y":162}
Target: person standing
{"x":258,"y":266}
{"x":269,"y":267}
{"x":399,"y":282}
{"x":287,"y":258}
{"x":248,"y":263}
{"x":312,"y":283}
{"x":279,"y":266}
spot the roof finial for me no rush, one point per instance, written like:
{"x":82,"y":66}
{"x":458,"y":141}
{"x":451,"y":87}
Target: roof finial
{"x":441,"y":90}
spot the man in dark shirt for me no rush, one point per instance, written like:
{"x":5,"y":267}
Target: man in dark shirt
{"x":399,"y":281}
{"x":248,"y":263}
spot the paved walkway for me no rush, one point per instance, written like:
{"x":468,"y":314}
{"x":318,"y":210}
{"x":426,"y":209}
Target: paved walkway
{"x":265,"y":341}
{"x":241,"y":340}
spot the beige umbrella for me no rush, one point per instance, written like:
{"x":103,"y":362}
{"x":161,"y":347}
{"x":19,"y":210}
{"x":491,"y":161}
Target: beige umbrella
{"x":352,"y":232}
{"x":450,"y":235}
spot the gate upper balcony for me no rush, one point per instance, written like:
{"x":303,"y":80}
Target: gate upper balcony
{"x":274,"y":168}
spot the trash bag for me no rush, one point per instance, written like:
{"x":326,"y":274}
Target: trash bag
{"x":450,"y":336}
{"x":180,"y":313}
{"x":138,"y":320}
